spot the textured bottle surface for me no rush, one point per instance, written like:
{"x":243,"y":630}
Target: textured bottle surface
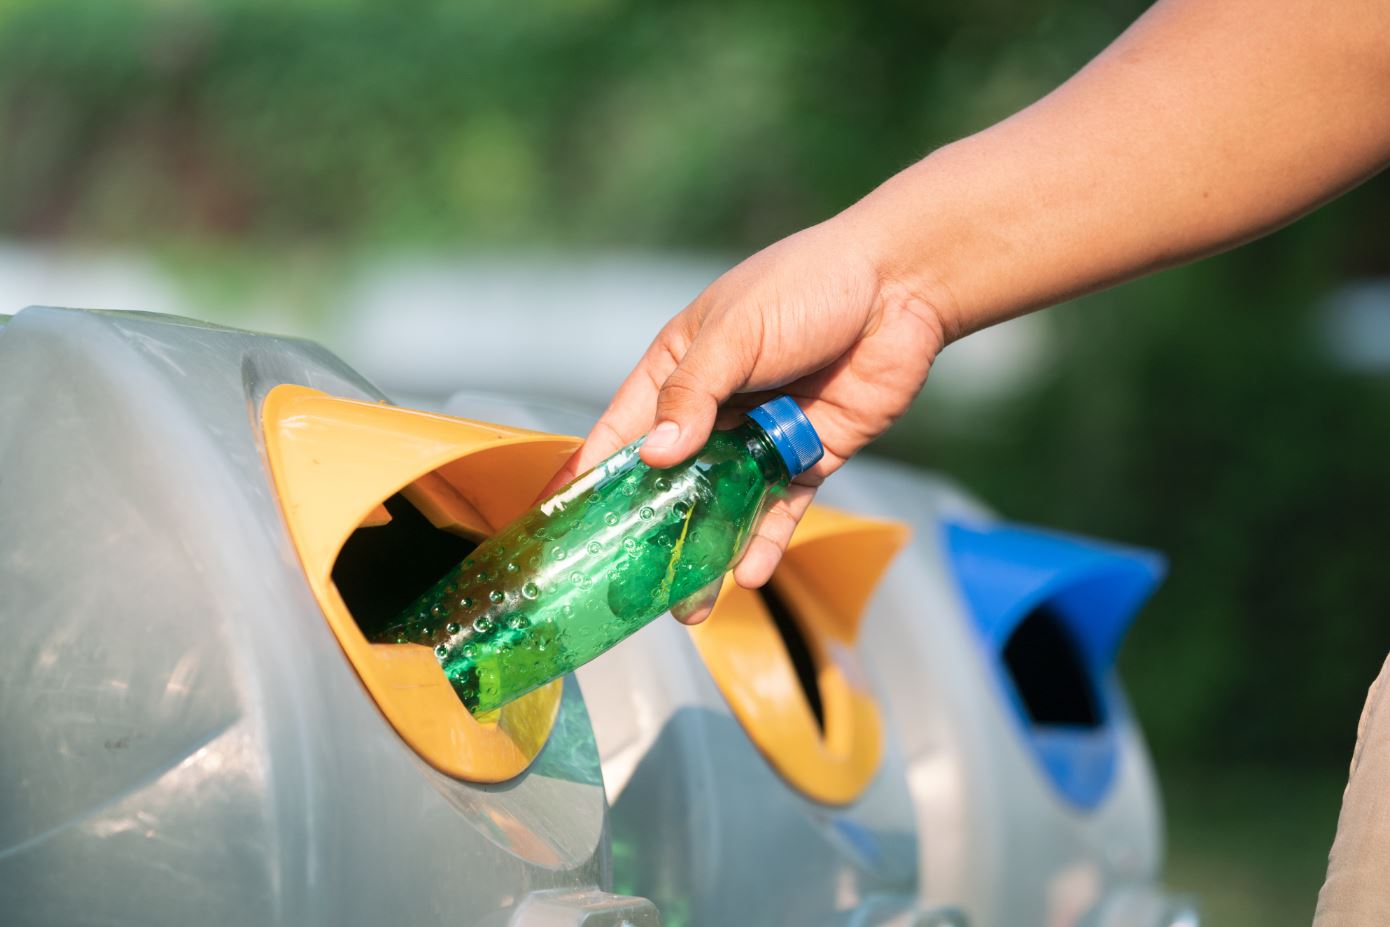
{"x":577,"y":574}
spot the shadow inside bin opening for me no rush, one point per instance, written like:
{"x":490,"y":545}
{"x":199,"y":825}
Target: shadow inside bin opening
{"x":382,"y":569}
{"x":385,"y":568}
{"x":798,"y":650}
{"x":1044,"y":662}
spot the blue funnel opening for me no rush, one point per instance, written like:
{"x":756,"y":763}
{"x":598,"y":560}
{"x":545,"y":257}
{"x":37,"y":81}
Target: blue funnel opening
{"x":1050,"y":611}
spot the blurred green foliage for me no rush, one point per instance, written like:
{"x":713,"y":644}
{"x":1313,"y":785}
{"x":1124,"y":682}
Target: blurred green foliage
{"x":1250,"y":842}
{"x":590,"y":121}
{"x":1194,"y":412}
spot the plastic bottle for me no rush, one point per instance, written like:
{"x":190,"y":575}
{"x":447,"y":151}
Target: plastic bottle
{"x":592,"y":564}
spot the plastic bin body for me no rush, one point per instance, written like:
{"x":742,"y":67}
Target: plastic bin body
{"x":183,"y":740}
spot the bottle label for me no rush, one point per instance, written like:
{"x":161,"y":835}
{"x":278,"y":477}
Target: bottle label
{"x":605,"y":473}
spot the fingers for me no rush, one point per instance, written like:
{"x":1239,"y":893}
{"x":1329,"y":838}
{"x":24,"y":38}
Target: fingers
{"x":766,"y":547}
{"x":759,"y":559}
{"x":718,"y":362}
{"x":697,"y":607}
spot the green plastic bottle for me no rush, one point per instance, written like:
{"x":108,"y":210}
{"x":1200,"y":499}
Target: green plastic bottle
{"x":614,"y":549}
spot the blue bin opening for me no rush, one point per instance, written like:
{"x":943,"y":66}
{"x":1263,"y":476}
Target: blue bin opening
{"x":1050,"y":611}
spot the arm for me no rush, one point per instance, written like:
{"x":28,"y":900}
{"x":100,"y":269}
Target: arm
{"x":1209,"y":122}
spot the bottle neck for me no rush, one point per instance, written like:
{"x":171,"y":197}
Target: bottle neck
{"x":762,"y":450}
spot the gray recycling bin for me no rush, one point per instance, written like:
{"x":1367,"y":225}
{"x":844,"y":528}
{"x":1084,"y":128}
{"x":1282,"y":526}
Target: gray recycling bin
{"x":918,"y":723}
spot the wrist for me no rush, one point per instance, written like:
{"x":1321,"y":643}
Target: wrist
{"x":903,"y":230}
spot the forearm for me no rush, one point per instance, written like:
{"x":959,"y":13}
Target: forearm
{"x":1208,"y":123}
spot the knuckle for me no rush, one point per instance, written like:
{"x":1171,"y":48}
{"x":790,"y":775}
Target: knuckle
{"x":782,"y":517}
{"x":683,"y":379}
{"x":605,"y":432}
{"x":666,"y":353}
{"x":683,"y":388}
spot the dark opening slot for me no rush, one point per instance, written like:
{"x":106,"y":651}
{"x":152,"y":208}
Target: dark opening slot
{"x":803,"y":661}
{"x":1049,"y":674}
{"x":381,"y":570}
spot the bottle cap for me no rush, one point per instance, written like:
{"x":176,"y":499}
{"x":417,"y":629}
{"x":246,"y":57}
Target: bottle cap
{"x":791,"y":433}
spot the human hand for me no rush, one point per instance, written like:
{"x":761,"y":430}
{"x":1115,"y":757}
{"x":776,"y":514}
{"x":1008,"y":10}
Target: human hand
{"x":811,"y":316}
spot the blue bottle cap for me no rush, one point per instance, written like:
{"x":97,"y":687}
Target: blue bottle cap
{"x":791,"y":433}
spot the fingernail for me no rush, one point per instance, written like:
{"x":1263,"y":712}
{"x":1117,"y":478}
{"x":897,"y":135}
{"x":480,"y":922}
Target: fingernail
{"x":664,"y":435}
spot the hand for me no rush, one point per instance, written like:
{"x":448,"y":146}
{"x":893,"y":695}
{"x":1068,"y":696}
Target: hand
{"x":811,"y":316}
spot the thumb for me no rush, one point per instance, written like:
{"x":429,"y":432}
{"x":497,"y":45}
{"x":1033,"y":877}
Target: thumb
{"x":689,"y":399}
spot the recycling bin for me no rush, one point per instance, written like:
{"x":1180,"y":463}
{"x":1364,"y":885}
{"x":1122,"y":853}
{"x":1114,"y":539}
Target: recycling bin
{"x":916,"y":723}
{"x":189,"y":736}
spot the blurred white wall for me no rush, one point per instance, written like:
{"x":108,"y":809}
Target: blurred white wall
{"x":558,"y":326}
{"x":563,"y":326}
{"x":88,"y":280}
